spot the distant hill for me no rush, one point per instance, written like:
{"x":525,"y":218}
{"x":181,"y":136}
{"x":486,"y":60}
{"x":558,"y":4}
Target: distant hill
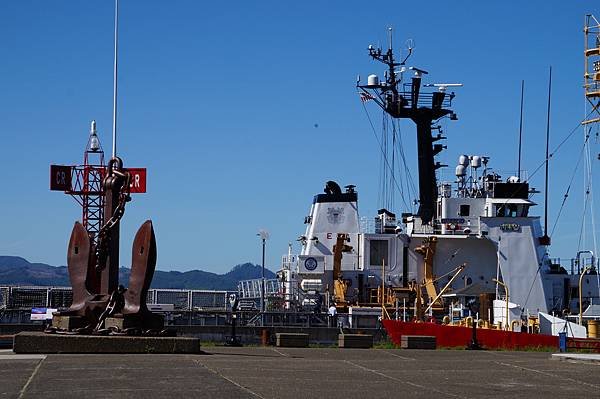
{"x":15,"y":270}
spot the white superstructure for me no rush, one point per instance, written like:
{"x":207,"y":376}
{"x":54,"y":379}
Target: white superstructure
{"x":484,"y":222}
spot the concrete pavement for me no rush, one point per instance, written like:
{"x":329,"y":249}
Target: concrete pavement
{"x":268,"y":372}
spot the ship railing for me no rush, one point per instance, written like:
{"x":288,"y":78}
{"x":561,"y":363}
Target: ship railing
{"x":249,"y":289}
{"x":425,"y":229}
{"x":572,"y":265}
{"x":289,"y":262}
{"x":425,"y":98}
{"x":367,"y":225}
{"x":282,"y":318}
{"x":182,"y":299}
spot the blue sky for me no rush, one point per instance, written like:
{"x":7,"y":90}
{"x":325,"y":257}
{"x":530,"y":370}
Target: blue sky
{"x":219,"y":100}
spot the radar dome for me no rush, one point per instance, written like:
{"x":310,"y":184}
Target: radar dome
{"x":463,"y":160}
{"x":372,"y":80}
{"x":460,"y":171}
{"x":476,"y":161}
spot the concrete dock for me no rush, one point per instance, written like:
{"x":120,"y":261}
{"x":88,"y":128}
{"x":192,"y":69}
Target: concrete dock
{"x":269,"y":372}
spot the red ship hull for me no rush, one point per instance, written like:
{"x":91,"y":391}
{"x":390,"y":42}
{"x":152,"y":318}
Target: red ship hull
{"x":453,"y":336}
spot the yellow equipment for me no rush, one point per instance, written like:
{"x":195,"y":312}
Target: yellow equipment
{"x":427,"y":249}
{"x":340,"y":287}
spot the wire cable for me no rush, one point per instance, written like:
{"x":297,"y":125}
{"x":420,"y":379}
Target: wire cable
{"x":382,"y":151}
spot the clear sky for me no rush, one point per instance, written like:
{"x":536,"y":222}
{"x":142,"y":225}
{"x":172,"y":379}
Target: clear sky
{"x":242,"y":110}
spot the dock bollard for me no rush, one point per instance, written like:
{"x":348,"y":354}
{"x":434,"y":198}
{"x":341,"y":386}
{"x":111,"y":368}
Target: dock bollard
{"x":265,"y":337}
{"x":562,"y":342}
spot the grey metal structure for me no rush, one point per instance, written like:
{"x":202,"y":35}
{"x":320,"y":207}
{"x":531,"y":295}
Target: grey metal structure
{"x":251,"y":289}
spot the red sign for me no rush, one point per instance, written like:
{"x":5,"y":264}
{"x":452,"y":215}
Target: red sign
{"x":60,"y":178}
{"x":138,"y":180}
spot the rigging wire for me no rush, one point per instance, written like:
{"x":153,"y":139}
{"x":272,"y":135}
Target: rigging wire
{"x":384,"y":170}
{"x":410,"y":183}
{"x":585,"y":204}
{"x":559,"y":146}
{"x":591,"y":194}
{"x":569,"y":187}
{"x":383,"y":153}
{"x":393,"y":164}
{"x":590,"y":177}
{"x":533,"y":282}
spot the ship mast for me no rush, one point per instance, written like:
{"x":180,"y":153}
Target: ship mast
{"x":592,"y":67}
{"x":406,"y":101}
{"x":591,"y":84}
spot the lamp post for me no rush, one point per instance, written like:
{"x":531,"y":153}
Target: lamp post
{"x":585,"y":270}
{"x":264,"y":236}
{"x":507,"y":322}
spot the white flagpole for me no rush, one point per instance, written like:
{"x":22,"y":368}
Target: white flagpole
{"x":114,"y":126}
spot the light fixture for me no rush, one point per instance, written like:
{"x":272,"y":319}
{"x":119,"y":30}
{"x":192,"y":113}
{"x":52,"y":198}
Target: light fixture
{"x":93,"y":142}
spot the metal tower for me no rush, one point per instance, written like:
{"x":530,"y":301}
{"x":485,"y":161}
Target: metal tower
{"x":87,"y":185}
{"x":592,"y":66}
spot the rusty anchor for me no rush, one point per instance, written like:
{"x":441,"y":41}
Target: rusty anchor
{"x":100,"y":305}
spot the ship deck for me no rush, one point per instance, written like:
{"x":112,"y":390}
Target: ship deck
{"x":268,"y":372}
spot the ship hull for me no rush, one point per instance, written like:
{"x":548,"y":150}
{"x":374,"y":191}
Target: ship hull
{"x":454,"y":336}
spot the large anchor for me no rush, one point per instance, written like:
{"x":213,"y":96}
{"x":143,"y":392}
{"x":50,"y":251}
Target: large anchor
{"x":100,"y":304}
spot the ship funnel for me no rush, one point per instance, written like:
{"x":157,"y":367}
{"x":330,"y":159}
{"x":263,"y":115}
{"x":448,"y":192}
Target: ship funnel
{"x":373,"y":81}
{"x":463,"y":160}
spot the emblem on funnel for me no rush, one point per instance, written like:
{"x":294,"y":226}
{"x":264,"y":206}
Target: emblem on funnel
{"x":335,"y":215}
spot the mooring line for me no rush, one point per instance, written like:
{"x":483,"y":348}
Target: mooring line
{"x":403,"y":381}
{"x":230,"y":380}
{"x":548,"y":374}
{"x":31,"y":377}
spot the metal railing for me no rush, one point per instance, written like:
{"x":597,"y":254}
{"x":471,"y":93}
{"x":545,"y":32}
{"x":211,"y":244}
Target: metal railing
{"x":27,"y":297}
{"x":251,"y":289}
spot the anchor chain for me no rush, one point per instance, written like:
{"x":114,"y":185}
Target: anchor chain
{"x":115,"y":168}
{"x":115,"y":305}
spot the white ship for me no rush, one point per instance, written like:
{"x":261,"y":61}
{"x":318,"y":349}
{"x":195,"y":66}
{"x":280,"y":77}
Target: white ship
{"x":474,"y":237}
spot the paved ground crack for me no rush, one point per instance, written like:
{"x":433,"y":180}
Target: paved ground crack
{"x":548,"y":374}
{"x":31,"y":377}
{"x":398,"y":356}
{"x":281,"y":353}
{"x":403,"y":381}
{"x":229,"y":379}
